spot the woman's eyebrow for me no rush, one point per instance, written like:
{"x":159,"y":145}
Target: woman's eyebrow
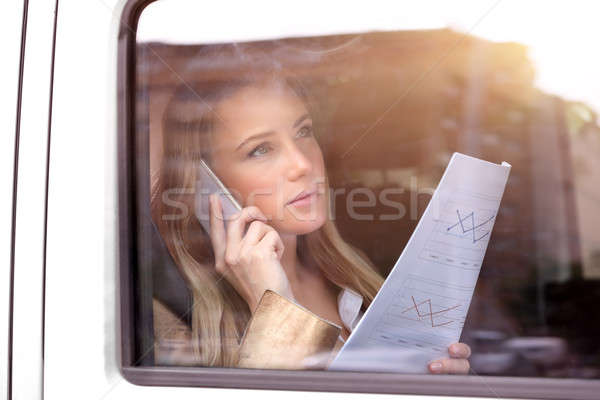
{"x":253,"y":137}
{"x":263,"y":134}
{"x":299,"y":120}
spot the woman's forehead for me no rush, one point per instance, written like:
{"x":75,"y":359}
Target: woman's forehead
{"x":256,"y":108}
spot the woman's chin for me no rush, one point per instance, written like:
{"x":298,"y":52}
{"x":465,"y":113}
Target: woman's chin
{"x":301,"y":224}
{"x":308,"y":227}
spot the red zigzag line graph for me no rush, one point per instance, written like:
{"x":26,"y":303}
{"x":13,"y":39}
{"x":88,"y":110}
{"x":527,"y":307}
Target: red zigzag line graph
{"x":430,"y":314}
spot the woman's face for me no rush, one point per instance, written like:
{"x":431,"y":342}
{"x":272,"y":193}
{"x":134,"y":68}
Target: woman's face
{"x":265,"y":152}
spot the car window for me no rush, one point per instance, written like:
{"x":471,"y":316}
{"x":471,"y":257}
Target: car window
{"x":383,"y":104}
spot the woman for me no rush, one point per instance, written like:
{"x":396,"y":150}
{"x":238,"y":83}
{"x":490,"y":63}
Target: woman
{"x":257,"y":135}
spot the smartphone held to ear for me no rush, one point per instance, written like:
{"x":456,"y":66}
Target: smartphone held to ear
{"x":207,"y":184}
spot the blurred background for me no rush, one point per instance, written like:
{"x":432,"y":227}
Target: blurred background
{"x":398,"y":92}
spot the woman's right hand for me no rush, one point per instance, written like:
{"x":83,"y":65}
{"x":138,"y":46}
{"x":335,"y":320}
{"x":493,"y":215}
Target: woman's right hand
{"x":250,"y":262}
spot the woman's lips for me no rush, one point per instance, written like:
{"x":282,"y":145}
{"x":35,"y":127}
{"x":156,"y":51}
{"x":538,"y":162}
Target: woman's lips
{"x":304,"y":200}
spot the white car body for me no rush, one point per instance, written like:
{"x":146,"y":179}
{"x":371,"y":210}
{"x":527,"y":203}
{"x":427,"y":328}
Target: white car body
{"x":65,"y":318}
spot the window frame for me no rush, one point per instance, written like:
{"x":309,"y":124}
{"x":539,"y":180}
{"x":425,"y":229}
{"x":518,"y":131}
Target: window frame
{"x":336,"y":381}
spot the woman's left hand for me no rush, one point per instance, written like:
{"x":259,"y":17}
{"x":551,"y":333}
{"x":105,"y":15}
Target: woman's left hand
{"x":458,"y":362}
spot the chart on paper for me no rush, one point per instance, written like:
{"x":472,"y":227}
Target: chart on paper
{"x":423,"y":304}
{"x":429,"y":312}
{"x":462,"y":232}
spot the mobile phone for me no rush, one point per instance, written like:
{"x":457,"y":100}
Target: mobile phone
{"x":207,"y":184}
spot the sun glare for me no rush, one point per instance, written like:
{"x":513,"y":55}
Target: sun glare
{"x":559,"y":34}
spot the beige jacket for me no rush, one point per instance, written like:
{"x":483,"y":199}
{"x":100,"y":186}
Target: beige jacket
{"x":281,"y":334}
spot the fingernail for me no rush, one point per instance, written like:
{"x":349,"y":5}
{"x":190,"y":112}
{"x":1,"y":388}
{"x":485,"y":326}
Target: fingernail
{"x":459,"y":351}
{"x":435,"y":367}
{"x":454,"y":349}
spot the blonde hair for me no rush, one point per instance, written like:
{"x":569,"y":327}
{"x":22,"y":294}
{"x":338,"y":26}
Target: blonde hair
{"x":219,"y":313}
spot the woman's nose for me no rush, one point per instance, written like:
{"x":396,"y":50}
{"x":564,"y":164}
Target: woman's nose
{"x":298,"y":163}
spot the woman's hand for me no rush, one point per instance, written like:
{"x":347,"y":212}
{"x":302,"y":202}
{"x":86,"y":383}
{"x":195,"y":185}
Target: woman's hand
{"x":458,"y":362}
{"x":249,"y":262}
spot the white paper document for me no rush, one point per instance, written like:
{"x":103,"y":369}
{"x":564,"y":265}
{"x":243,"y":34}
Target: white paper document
{"x":422,"y":306}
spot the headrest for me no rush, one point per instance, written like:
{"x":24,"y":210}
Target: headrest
{"x":169,"y":287}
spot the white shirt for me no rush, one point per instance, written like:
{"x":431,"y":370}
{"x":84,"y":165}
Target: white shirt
{"x":349,"y":303}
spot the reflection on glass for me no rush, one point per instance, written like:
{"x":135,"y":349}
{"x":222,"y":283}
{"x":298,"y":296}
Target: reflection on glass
{"x":387,"y":112}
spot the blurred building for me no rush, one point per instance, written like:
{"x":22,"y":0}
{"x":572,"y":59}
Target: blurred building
{"x":391,"y":109}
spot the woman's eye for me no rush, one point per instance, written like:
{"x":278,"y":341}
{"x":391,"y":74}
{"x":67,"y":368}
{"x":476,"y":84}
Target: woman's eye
{"x":305,"y":131}
{"x":258,"y":150}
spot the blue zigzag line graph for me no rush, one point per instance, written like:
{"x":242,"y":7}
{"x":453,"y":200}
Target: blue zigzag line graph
{"x":474,"y":227}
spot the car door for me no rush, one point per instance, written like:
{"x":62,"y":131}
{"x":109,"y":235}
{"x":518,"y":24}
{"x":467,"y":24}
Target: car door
{"x":68,"y":296}
{"x":11,"y":32}
{"x":28,"y":76}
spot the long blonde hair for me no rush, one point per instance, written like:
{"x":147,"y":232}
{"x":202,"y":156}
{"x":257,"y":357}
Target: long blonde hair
{"x":219,"y":314}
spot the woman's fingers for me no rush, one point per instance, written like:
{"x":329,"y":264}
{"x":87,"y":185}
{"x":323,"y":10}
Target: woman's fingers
{"x":458,"y":362}
{"x":251,"y":260}
{"x":235,"y":231}
{"x":237,"y":224}
{"x":450,"y":366}
{"x":264,"y":237}
{"x":272,"y":242}
{"x":459,"y":350}
{"x":256,"y":230}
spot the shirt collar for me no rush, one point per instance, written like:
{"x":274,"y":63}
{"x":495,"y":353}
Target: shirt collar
{"x":349,"y":303}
